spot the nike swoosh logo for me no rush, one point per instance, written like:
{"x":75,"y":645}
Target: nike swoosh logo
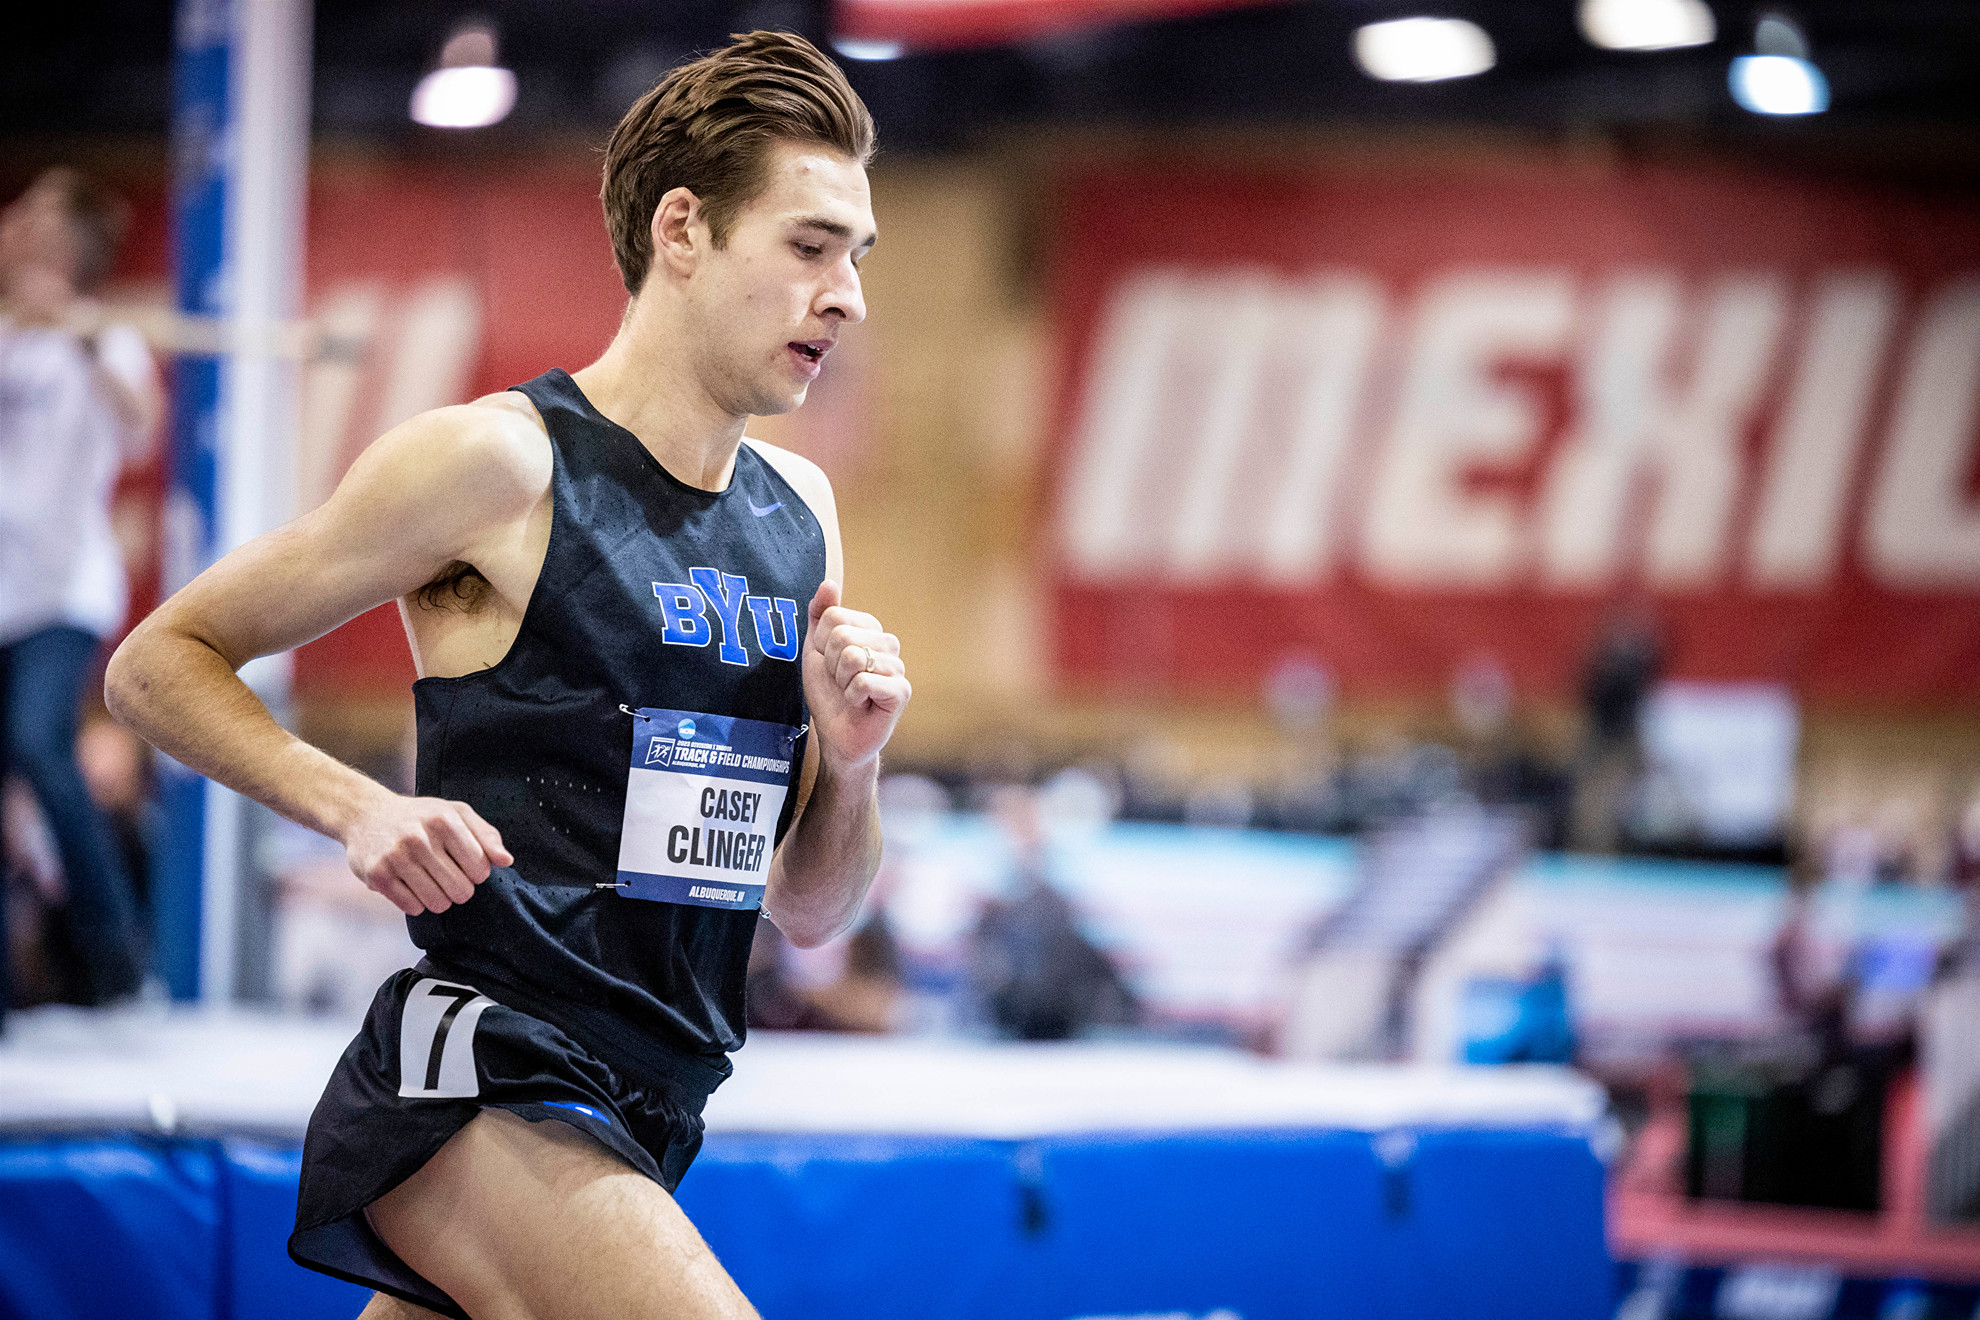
{"x":765,"y":513}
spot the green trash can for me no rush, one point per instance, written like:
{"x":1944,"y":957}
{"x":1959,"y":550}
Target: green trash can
{"x":1787,"y":1130}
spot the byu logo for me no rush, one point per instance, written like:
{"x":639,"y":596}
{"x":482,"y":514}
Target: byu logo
{"x":685,"y":606}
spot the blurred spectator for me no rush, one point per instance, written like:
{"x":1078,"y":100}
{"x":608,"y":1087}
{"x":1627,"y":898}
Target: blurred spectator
{"x":1503,"y":771}
{"x":1155,"y":779}
{"x":1035,"y":975}
{"x":1299,"y":692}
{"x":1305,"y":795}
{"x":116,"y":768}
{"x":1899,"y":822}
{"x":1221,"y":802}
{"x":1961,"y":957}
{"x":1398,"y":778}
{"x":77,"y":397}
{"x":1964,"y":871}
{"x":1809,"y":997}
{"x":864,"y":996}
{"x":1851,"y":856}
{"x":1481,"y":698}
{"x":1624,"y":666}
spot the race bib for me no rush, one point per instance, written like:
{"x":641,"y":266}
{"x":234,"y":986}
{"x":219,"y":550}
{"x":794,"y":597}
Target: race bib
{"x":702,"y":801}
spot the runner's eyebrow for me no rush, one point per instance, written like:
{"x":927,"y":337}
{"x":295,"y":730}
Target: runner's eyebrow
{"x":836,"y":230}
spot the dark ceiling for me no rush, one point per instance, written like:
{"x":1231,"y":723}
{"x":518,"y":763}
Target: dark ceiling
{"x":1894,"y":66}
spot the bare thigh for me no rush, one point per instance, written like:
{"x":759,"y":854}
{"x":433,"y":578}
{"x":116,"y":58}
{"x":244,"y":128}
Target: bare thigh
{"x":536,"y":1221}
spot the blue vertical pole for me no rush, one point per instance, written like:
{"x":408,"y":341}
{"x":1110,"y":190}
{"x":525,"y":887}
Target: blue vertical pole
{"x":240,"y":137}
{"x":202,"y":176}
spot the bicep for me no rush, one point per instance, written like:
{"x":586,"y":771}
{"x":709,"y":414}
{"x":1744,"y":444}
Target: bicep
{"x":408,"y":507}
{"x":289,"y":587}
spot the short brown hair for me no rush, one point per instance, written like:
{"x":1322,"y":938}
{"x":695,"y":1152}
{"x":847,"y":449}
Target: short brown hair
{"x":707,"y":127}
{"x":97,"y":219}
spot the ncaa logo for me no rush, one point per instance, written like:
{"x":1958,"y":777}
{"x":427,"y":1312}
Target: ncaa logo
{"x":686,"y":728}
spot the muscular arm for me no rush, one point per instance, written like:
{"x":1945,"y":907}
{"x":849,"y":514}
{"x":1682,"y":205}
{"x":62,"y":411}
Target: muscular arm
{"x":415,"y":502}
{"x":821,"y":872}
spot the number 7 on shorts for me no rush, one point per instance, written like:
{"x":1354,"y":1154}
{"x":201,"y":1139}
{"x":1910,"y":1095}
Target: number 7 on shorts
{"x":436,"y":1041}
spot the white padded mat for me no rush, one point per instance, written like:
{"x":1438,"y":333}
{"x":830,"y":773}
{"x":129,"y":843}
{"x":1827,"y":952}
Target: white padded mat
{"x":234,"y":1070}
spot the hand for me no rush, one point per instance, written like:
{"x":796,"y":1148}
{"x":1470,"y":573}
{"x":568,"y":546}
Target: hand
{"x":424,"y":854}
{"x":854,"y":681}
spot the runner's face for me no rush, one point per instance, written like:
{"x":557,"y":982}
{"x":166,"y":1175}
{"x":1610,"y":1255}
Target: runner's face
{"x":787,"y":282}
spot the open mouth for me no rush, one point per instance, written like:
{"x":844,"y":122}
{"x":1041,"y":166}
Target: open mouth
{"x":811,"y":350}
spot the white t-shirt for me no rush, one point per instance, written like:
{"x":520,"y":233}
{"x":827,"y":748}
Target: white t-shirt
{"x":61,"y":445}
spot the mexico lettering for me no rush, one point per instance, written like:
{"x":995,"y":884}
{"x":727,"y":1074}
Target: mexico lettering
{"x":1702,"y":427}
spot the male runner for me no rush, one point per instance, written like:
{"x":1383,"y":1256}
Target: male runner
{"x":601,"y":579}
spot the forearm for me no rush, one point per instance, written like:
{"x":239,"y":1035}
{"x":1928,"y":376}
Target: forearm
{"x":184,"y":698}
{"x":820,"y":874}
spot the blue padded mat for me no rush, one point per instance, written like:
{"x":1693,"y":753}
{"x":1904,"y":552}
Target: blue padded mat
{"x":258,"y":1199}
{"x":1460,"y":1225}
{"x":109,"y":1226}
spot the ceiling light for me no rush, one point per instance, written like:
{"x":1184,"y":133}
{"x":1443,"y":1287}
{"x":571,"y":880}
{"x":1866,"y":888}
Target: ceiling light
{"x":1777,"y":34}
{"x":1423,"y":49}
{"x":1779,"y":85}
{"x":866,"y":48}
{"x":1647,"y":24}
{"x":468,"y":90}
{"x":471,"y":97}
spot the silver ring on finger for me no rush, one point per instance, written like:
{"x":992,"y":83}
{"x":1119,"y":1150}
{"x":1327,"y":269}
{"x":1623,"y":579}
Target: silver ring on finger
{"x":867,"y":668}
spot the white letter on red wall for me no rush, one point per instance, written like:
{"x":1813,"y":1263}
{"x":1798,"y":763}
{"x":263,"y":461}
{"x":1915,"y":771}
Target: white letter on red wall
{"x":1922,"y":531}
{"x":1424,"y":529}
{"x":1328,"y":337}
{"x":1144,"y":325}
{"x":1631,"y":417}
{"x":1811,"y":464}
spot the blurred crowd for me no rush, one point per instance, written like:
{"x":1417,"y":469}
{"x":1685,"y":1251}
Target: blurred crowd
{"x":79,"y":399}
{"x":80,"y":396}
{"x":1433,"y":813}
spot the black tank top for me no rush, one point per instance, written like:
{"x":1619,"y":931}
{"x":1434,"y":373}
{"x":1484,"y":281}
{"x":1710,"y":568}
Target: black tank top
{"x":541,"y":743}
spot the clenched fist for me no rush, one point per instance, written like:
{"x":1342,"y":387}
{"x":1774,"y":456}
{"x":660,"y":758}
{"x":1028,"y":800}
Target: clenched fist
{"x":854,"y":681}
{"x":424,"y":854}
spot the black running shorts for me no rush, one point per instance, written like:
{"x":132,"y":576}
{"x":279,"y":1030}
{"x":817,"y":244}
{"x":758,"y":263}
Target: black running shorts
{"x":432,"y":1054}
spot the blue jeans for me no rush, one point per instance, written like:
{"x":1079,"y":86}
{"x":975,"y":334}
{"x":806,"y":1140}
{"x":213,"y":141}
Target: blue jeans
{"x":41,"y":678}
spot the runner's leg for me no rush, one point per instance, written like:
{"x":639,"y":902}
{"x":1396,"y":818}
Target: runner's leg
{"x":525,"y":1221}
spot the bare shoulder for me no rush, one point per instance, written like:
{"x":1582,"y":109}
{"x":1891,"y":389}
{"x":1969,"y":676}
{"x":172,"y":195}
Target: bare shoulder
{"x":492,"y":454}
{"x":815,"y":489}
{"x":806,"y":477}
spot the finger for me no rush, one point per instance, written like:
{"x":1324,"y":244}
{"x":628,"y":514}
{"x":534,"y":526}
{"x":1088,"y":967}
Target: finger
{"x":823,"y":599}
{"x":841,"y":617}
{"x":848,"y":648}
{"x":883,"y":692}
{"x":393,"y":890}
{"x":487,"y":835}
{"x":848,"y":662}
{"x":887,"y":666}
{"x":424,"y":887}
{"x":865,"y":658}
{"x":434,"y":860}
{"x":454,"y":841}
